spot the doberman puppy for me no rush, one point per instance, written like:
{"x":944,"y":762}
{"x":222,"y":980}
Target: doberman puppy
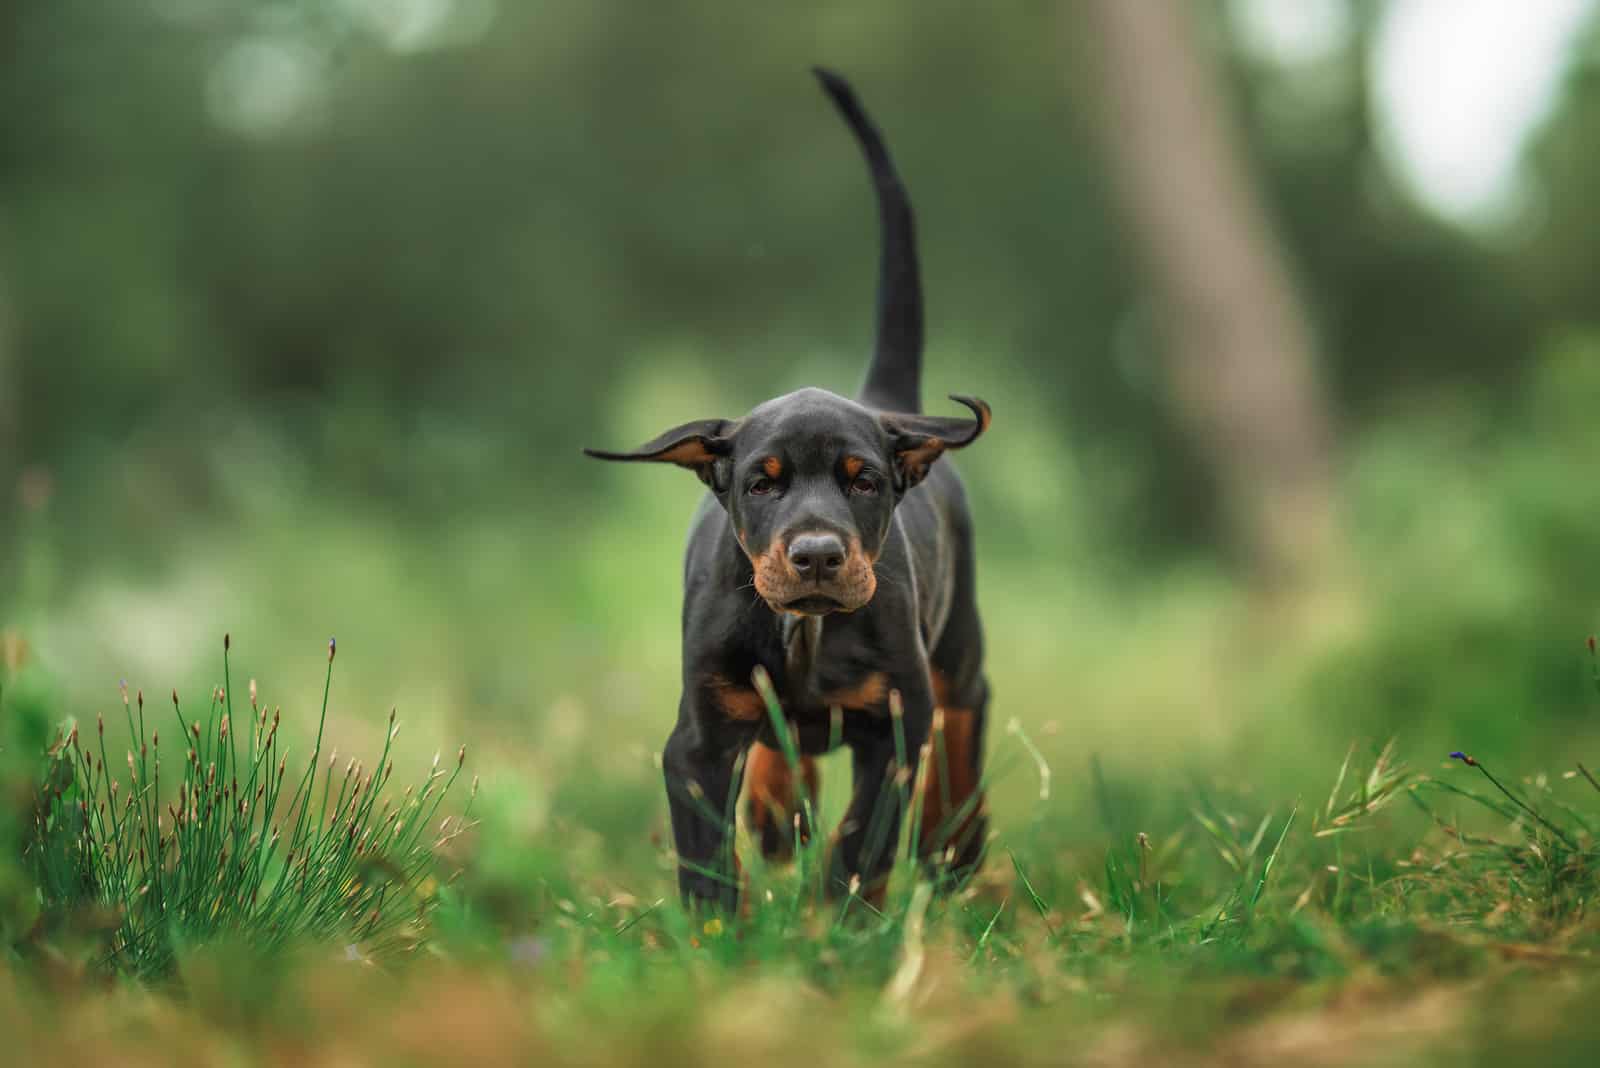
{"x":835,"y":552}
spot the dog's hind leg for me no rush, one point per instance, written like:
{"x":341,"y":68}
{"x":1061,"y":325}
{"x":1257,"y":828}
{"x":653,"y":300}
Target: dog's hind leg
{"x":954,"y":825}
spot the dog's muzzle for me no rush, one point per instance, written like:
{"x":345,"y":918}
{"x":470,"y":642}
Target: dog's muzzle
{"x":815,"y":573}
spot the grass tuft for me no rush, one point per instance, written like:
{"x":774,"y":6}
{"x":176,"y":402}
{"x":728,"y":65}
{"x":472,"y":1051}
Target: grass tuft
{"x":231,"y":846}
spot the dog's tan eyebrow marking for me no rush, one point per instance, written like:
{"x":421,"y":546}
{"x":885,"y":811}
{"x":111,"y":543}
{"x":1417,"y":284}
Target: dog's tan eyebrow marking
{"x":853,"y":466}
{"x":772,"y":467}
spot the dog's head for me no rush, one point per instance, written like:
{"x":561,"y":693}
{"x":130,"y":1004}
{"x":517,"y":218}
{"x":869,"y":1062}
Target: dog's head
{"x":810,"y":481}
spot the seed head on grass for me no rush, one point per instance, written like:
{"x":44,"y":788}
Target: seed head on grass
{"x":1520,"y":804}
{"x":210,"y":866}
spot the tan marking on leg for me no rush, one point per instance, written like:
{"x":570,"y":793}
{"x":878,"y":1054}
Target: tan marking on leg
{"x":737,"y":701}
{"x":944,"y":823}
{"x":870,"y":693}
{"x":771,"y":801}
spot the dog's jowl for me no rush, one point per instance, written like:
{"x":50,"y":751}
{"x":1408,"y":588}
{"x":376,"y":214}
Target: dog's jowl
{"x":834,"y":550}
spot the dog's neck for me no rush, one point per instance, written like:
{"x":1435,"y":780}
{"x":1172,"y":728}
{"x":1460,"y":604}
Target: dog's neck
{"x":802,"y":639}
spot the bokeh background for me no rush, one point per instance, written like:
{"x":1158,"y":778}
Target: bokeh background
{"x":1286,"y":310}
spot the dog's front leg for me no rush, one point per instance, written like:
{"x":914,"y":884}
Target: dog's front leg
{"x":701,"y":766}
{"x":864,"y":849}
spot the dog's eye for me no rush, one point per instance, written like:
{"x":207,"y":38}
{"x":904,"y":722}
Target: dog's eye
{"x":863,"y":486}
{"x":762,"y":486}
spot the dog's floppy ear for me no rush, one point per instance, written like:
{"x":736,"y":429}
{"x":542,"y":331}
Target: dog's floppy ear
{"x":919,"y":440}
{"x":697,"y":446}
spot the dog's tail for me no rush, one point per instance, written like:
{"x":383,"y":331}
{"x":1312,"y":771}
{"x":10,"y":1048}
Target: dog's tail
{"x":894,"y":379}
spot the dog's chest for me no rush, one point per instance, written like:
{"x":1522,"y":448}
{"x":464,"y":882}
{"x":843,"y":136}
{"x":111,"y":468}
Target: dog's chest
{"x":827,"y":677}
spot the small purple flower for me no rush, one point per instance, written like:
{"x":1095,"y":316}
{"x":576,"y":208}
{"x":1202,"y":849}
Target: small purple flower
{"x":1464,"y":758}
{"x":333,"y":647}
{"x":528,"y":950}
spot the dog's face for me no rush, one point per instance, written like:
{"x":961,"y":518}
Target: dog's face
{"x":810,"y":481}
{"x":811,"y":492}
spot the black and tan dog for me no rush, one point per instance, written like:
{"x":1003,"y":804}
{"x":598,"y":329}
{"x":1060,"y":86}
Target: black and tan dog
{"x":835,"y":552}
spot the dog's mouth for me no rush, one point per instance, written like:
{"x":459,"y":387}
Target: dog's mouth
{"x":814,"y":605}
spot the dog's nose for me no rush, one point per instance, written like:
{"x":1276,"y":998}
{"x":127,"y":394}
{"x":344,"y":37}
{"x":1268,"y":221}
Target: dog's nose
{"x":817,"y":556}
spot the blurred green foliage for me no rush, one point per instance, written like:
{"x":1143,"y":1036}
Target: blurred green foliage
{"x":427,"y":266}
{"x":27,"y":703}
{"x":306,"y":309}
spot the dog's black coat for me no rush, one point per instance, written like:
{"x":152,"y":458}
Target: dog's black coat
{"x":835,"y":553}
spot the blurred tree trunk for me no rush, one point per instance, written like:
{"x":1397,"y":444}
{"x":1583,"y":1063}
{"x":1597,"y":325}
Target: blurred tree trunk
{"x":10,"y":432}
{"x":10,"y":405}
{"x":1241,"y":366}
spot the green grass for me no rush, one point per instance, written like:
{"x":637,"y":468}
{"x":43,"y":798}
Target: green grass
{"x":229,"y":848}
{"x":1385,"y":913}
